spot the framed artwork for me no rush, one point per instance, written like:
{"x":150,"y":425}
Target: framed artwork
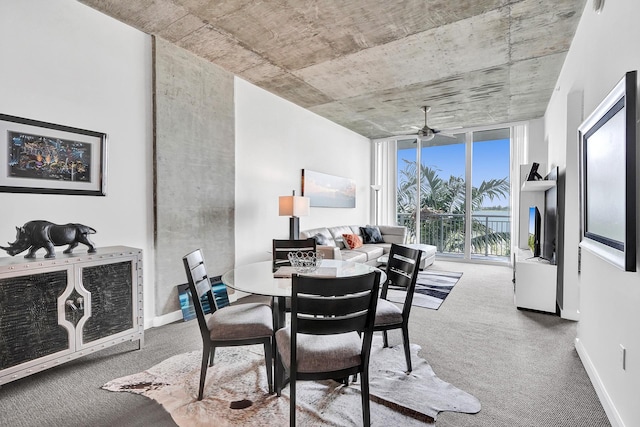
{"x":328,"y":191}
{"x":46,"y":158}
{"x":608,"y":176}
{"x":220,"y":296}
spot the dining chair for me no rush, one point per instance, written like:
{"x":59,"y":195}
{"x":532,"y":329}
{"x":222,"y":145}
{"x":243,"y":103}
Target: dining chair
{"x":282,"y":248}
{"x":330,"y":333}
{"x":233,"y":325}
{"x":402,"y":273}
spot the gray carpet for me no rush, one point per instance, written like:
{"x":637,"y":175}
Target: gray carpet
{"x":521,"y":365}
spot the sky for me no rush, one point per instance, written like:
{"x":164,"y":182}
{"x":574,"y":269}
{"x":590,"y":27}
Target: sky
{"x":490,"y":160}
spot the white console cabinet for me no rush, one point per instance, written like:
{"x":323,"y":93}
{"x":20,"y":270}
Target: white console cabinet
{"x":535,"y":285}
{"x":58,"y":309}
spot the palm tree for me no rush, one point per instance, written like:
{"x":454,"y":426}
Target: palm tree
{"x":442,"y":204}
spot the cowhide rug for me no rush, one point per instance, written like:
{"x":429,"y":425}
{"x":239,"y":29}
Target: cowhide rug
{"x":239,"y":375}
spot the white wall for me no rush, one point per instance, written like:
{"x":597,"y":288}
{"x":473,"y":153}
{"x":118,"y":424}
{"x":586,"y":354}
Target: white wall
{"x":604,"y":48}
{"x":65,"y":63}
{"x":275,"y":140}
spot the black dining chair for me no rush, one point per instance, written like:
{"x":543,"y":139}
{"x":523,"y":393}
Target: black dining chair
{"x":330,"y":333}
{"x":402,"y":273}
{"x":282,"y":248}
{"x":241,"y":324}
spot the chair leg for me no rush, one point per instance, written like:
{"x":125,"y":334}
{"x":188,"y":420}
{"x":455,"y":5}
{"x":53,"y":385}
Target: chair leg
{"x":203,"y":370}
{"x":385,"y":339}
{"x":278,"y":373}
{"x":268,"y":360}
{"x":212,"y":355}
{"x":407,"y":351}
{"x":366,"y":407}
{"x":292,"y":401}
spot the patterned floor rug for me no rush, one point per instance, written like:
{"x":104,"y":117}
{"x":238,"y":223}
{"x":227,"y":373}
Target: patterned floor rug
{"x":432,"y":287}
{"x":239,"y":376}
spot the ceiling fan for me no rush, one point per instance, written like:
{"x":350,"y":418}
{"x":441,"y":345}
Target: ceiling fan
{"x":427,"y":133}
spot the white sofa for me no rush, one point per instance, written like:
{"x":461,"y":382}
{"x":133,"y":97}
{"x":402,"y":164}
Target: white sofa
{"x":368,"y":253}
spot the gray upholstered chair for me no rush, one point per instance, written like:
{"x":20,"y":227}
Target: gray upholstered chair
{"x":402,"y":273}
{"x":241,"y":324}
{"x":330,"y":333}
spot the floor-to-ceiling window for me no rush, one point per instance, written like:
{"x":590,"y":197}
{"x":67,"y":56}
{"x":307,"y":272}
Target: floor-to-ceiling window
{"x":453,"y":192}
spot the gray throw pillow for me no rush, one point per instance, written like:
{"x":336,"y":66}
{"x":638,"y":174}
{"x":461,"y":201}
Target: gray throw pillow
{"x":371,"y":235}
{"x":322,"y":240}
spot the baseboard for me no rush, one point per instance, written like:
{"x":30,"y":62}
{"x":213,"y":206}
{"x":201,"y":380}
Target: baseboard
{"x":165,"y":319}
{"x":605,"y":399}
{"x":570,"y":314}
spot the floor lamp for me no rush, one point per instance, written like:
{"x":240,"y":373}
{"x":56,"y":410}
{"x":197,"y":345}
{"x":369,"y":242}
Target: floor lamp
{"x":377,"y":189}
{"x":294,"y":207}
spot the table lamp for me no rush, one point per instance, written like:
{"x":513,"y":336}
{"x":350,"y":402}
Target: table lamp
{"x":294,"y":207}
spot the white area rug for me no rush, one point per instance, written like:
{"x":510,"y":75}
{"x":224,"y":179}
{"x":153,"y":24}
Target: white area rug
{"x":238,"y":374}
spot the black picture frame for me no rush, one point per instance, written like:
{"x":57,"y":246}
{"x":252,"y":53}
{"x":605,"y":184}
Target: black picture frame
{"x":47,"y":158}
{"x":608,"y":176}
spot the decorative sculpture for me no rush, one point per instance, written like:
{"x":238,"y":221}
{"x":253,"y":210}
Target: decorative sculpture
{"x":44,"y":234}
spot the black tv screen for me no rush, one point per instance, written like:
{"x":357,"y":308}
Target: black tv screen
{"x":534,"y":230}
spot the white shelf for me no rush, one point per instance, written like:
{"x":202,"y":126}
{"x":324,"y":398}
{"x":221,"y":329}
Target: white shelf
{"x":543,"y":185}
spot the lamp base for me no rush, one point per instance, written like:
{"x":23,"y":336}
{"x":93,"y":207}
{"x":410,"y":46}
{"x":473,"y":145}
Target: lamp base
{"x":294,"y":228}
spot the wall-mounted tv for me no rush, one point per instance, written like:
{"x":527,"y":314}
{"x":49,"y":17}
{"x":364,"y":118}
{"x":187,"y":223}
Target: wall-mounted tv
{"x":608,"y":176}
{"x":535,"y":223}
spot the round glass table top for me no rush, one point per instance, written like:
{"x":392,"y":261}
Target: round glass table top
{"x":258,"y":277}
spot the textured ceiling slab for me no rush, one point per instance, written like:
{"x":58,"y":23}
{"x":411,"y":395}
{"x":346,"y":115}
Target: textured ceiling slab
{"x":370,"y":66}
{"x":450,"y":50}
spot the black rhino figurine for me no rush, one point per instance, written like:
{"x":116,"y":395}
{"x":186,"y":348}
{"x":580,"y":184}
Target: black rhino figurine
{"x":44,"y":234}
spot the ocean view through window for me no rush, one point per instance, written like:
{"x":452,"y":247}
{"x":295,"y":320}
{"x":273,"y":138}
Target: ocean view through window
{"x":453,"y":193}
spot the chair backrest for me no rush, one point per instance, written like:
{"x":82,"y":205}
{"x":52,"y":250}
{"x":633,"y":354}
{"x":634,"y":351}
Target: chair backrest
{"x":199,"y":285}
{"x":403,"y":267}
{"x":281,"y":249}
{"x":334,"y":305}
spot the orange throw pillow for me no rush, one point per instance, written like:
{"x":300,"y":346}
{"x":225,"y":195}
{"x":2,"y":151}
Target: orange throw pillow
{"x":353,"y":241}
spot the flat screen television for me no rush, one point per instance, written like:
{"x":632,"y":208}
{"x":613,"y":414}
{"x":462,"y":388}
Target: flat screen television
{"x":550,"y":237}
{"x":534,"y":230}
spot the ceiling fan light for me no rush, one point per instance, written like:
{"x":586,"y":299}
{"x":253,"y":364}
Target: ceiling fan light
{"x":427,"y":137}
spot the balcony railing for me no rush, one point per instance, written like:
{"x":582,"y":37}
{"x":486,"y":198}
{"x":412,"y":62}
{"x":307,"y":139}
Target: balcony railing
{"x":491,"y":234}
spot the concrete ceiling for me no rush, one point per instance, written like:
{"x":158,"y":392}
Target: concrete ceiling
{"x":370,"y":65}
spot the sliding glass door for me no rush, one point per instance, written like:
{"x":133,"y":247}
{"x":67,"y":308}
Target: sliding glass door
{"x":453,"y":192}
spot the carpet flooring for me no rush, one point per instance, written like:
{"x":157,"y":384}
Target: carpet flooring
{"x":522,"y":366}
{"x":238,"y":375}
{"x":432,"y":287}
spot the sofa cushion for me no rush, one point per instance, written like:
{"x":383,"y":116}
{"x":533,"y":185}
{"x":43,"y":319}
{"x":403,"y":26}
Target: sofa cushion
{"x":393,"y":233}
{"x":337,"y":233}
{"x":353,"y":256}
{"x":315,"y":231}
{"x":373,"y":251}
{"x":321,"y":239}
{"x":371,"y":234}
{"x":352,"y":241}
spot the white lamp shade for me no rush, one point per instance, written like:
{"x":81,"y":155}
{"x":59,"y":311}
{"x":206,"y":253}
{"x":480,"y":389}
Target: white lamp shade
{"x":294,"y":206}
